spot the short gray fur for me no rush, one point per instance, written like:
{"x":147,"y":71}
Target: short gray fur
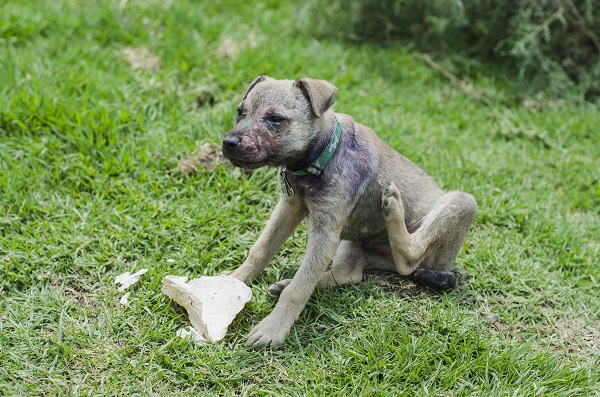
{"x":357,"y":211}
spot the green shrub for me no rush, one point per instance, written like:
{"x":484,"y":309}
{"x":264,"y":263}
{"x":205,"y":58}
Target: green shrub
{"x":553,"y":44}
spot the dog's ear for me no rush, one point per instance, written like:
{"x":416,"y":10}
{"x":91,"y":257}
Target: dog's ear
{"x":257,"y":80}
{"x":320,"y":94}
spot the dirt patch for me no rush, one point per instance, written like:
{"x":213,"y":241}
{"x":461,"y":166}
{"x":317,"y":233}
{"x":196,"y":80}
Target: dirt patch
{"x":204,"y":99}
{"x":231,"y":47}
{"x":78,"y":295}
{"x":568,"y":335}
{"x":574,"y":334}
{"x":393,"y":283}
{"x":205,"y":96}
{"x":207,"y":156}
{"x":228,"y":48}
{"x":140,"y":58}
{"x":84,"y":299}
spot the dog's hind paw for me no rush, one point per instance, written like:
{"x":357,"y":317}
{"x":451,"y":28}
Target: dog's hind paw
{"x":391,"y":202}
{"x":440,"y":281}
{"x":391,"y":191}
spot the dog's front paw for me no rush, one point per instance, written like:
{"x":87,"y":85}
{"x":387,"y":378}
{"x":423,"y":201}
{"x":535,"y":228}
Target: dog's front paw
{"x":276,"y":289}
{"x":391,"y":203}
{"x":272,"y":330}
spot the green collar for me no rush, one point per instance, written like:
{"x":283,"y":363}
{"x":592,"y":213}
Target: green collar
{"x":316,"y":167}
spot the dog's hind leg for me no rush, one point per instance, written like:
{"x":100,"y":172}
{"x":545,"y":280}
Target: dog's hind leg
{"x":347,"y":268}
{"x":406,"y":250}
{"x":428,"y":255}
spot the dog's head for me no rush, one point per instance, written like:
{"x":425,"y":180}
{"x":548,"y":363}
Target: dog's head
{"x":278,"y":121}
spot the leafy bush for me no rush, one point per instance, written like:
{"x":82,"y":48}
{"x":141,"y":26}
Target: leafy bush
{"x":554,"y":44}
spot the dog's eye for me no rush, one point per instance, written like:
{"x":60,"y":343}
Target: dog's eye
{"x":273,"y":118}
{"x":240,"y":114}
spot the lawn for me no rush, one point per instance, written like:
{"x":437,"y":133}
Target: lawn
{"x":100,"y":99}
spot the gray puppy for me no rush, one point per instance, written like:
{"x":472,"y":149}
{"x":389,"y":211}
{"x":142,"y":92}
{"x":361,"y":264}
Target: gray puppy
{"x":367,"y":206}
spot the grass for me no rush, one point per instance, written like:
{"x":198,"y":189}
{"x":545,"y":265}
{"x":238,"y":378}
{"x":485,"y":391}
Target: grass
{"x":85,"y":140}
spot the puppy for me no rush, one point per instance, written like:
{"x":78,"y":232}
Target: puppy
{"x":367,"y":206}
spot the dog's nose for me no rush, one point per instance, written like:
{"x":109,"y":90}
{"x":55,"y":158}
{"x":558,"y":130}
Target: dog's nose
{"x":231,"y":141}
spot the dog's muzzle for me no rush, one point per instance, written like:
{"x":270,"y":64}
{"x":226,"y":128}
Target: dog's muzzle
{"x":239,"y":155}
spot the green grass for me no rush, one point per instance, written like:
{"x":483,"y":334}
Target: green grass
{"x":85,"y":141}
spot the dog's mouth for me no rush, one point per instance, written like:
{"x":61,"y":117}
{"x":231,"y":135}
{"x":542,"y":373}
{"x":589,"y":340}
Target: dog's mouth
{"x":246,"y":160}
{"x":249,"y":165}
{"x":245,"y":153}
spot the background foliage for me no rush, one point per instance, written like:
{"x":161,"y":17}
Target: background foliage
{"x":553,"y":44}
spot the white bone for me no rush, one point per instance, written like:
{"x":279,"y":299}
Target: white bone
{"x":211,"y":302}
